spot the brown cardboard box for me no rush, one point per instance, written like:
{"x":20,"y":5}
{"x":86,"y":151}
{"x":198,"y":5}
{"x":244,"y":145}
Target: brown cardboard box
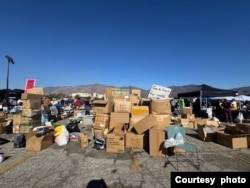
{"x":160,"y":106}
{"x":36,"y":91}
{"x":35,"y":143}
{"x":139,"y":111}
{"x":118,"y":120}
{"x":83,"y":140}
{"x":136,"y":92}
{"x":122,"y":105}
{"x":98,"y":132}
{"x":162,"y":121}
{"x":156,"y":141}
{"x":32,"y":103}
{"x":102,"y":106}
{"x":134,"y":140}
{"x":134,"y":120}
{"x":2,"y":127}
{"x":207,"y":133}
{"x":145,"y":124}
{"x":134,"y":99}
{"x":25,"y":96}
{"x":245,"y":127}
{"x":115,"y":142}
{"x":246,"y":121}
{"x":232,"y":141}
{"x":212,"y":123}
{"x":191,"y":124}
{"x":187,"y":110}
{"x":31,"y":112}
{"x":188,"y":116}
{"x":119,"y":117}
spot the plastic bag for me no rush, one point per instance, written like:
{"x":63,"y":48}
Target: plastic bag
{"x":73,"y":127}
{"x":61,"y":135}
{"x":19,"y":141}
{"x":179,"y":138}
{"x":239,"y":117}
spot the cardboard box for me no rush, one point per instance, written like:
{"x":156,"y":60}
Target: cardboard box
{"x":191,"y":124}
{"x":83,"y":140}
{"x":232,"y":141}
{"x":36,"y":91}
{"x":122,"y":105}
{"x":246,"y":121}
{"x":162,"y":120}
{"x":212,"y":123}
{"x":119,"y":117}
{"x":115,"y":142}
{"x":145,"y":124}
{"x":245,"y":127}
{"x":160,"y":106}
{"x":136,"y":92}
{"x":156,"y":141}
{"x":32,"y":104}
{"x":102,"y":106}
{"x":134,"y":120}
{"x":25,"y":96}
{"x":118,"y":120}
{"x":31,"y":112}
{"x":133,"y":140}
{"x":207,"y":133}
{"x":188,"y":116}
{"x":134,"y":99}
{"x":3,"y":127}
{"x":98,"y":132}
{"x":187,"y":110}
{"x":139,"y":111}
{"x":35,"y":143}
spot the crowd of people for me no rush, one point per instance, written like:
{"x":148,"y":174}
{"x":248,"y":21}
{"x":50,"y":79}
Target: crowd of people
{"x":51,"y":109}
{"x":224,"y":110}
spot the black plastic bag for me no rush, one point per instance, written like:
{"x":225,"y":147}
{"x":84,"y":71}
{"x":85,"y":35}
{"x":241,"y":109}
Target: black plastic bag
{"x":3,"y":141}
{"x":73,"y":127}
{"x":19,"y":141}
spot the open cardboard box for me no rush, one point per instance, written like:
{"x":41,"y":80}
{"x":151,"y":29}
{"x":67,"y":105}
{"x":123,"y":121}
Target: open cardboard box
{"x":34,"y":143}
{"x":232,"y":141}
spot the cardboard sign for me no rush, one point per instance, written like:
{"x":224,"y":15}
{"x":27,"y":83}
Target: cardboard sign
{"x":159,"y":92}
{"x":30,"y":83}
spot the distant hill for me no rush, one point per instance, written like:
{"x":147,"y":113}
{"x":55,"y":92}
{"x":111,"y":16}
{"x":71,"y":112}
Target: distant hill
{"x":98,"y":88}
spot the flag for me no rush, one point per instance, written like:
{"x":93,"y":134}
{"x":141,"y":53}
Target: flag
{"x":30,"y":83}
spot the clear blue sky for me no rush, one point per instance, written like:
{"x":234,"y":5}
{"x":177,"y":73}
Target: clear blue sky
{"x":125,"y":42}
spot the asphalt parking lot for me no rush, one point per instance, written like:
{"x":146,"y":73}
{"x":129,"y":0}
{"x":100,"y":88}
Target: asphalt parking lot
{"x":71,"y":166}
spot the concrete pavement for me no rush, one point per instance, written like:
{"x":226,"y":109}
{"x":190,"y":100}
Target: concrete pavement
{"x":70,"y":166}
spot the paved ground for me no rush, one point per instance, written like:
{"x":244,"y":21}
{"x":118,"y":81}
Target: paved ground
{"x":70,"y":166}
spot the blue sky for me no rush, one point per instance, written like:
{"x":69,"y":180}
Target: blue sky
{"x":125,"y":42}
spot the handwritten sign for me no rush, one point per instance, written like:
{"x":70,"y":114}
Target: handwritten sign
{"x":159,"y":92}
{"x":30,"y":83}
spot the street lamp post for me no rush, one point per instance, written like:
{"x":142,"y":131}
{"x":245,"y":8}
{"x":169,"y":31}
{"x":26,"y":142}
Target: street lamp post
{"x":10,"y":60}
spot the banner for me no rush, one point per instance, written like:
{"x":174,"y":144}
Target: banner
{"x":159,"y":92}
{"x":30,"y":83}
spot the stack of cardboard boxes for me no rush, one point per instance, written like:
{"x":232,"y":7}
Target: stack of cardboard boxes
{"x":130,"y":121}
{"x":31,"y":113}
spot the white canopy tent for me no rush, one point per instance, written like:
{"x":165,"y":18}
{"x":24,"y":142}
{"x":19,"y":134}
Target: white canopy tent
{"x":238,"y":98}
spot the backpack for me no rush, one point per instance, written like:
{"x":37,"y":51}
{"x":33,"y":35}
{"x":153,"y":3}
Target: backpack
{"x":19,"y":141}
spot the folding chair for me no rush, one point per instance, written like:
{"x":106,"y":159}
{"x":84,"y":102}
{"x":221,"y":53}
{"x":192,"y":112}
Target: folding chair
{"x":186,"y":146}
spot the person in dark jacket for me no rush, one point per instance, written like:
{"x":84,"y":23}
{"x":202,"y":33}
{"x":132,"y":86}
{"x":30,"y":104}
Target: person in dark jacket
{"x":227,"y":109}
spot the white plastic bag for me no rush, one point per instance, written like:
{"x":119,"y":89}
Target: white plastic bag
{"x":171,"y":142}
{"x":239,"y":118}
{"x":179,"y":138}
{"x":62,"y":135}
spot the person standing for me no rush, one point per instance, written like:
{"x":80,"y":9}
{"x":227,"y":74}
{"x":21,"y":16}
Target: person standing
{"x":45,"y":110}
{"x":226,"y":106}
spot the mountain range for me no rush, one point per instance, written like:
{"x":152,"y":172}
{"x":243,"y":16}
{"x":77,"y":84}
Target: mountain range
{"x":100,"y":89}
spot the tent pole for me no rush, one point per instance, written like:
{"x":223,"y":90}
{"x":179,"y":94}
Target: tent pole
{"x":200,"y":100}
